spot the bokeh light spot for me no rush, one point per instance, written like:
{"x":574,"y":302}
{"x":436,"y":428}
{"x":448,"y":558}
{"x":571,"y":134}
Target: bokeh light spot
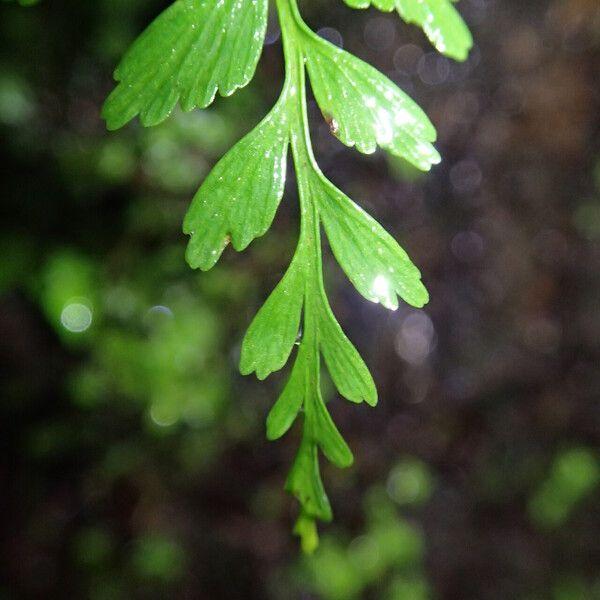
{"x":164,"y":415}
{"x":380,"y":33}
{"x":332,"y":35}
{"x":406,"y":59}
{"x":416,"y":338}
{"x":76,"y":317}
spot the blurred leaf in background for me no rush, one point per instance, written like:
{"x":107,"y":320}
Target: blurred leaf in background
{"x":573,"y":476}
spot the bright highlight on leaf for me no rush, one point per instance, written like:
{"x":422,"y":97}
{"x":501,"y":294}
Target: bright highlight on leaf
{"x":377,"y":266}
{"x":198,"y":47}
{"x":367,"y":108}
{"x":439,"y":20}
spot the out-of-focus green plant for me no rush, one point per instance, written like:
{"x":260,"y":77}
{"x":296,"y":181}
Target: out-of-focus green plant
{"x":69,"y":294}
{"x":388,"y":556}
{"x":573,"y":475}
{"x":24,"y":2}
{"x":197,"y":48}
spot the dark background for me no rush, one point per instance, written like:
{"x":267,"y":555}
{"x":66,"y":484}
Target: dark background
{"x":133,"y":460}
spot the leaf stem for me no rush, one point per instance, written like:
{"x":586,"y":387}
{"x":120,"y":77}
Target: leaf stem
{"x":310,"y":235}
{"x":310,"y":238}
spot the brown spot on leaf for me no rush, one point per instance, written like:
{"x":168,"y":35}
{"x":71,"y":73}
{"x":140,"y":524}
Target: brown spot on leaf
{"x":333,"y":125}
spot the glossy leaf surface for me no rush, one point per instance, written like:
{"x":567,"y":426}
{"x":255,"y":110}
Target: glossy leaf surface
{"x":377,"y":266}
{"x":365,"y":109}
{"x":440,"y":21}
{"x":191,"y":50}
{"x":238,"y":200}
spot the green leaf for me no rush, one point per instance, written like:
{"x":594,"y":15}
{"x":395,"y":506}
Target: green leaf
{"x":270,"y":338}
{"x":373,"y":261}
{"x":303,"y":388}
{"x":284,"y":412}
{"x":191,"y":50}
{"x":384,"y":5}
{"x":440,"y":21}
{"x":304,"y":481}
{"x":365,"y":109}
{"x":327,"y":435}
{"x":238,"y":200}
{"x":347,"y":369}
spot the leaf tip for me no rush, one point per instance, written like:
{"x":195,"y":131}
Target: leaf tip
{"x":262,"y":374}
{"x":245,"y":369}
{"x":306,"y":529}
{"x":349,"y":461}
{"x":113,"y":122}
{"x":372,"y":398}
{"x":276,"y":429}
{"x":420,"y":297}
{"x":247,"y":364}
{"x":272,"y":433}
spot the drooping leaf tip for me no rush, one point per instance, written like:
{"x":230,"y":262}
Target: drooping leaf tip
{"x":306,"y":529}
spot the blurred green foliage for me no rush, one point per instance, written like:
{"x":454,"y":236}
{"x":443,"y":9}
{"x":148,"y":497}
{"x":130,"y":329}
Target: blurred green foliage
{"x":24,"y":2}
{"x":387,"y":556}
{"x":574,"y":475}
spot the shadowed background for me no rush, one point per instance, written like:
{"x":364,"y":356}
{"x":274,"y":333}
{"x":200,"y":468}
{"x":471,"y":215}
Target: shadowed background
{"x":134,"y":462}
